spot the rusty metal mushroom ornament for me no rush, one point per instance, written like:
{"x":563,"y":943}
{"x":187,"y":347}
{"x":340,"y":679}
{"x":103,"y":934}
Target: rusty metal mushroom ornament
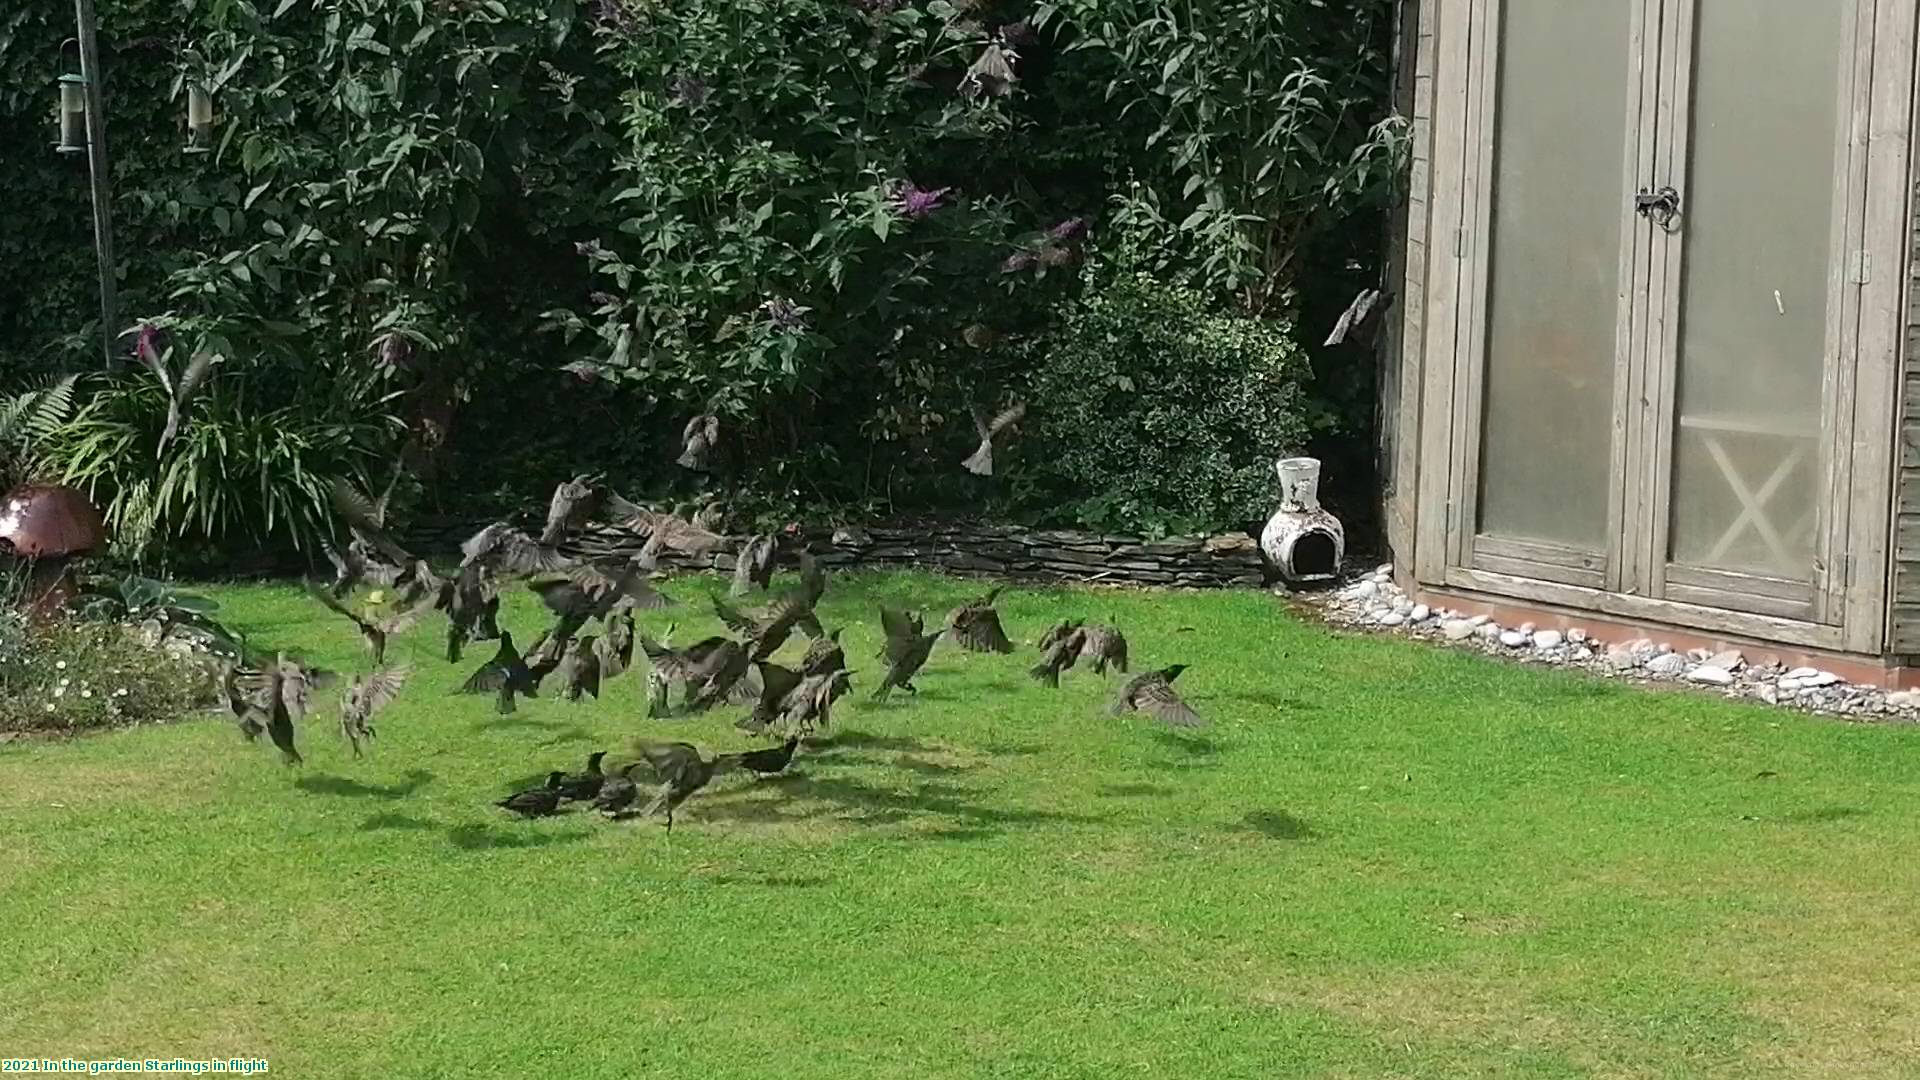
{"x":48,"y":526}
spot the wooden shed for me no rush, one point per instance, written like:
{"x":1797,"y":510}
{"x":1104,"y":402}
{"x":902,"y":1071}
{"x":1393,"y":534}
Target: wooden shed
{"x":1658,"y":362}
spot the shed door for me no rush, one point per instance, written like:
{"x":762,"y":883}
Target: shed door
{"x":1561,"y":132}
{"x":1754,"y":354}
{"x":1656,"y":354}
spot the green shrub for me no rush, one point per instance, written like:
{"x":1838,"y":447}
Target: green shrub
{"x":1153,"y":414}
{"x":69,"y":675}
{"x":250,"y":470}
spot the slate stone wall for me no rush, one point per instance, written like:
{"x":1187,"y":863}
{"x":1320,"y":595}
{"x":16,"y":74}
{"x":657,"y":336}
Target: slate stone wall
{"x":1231,"y":560}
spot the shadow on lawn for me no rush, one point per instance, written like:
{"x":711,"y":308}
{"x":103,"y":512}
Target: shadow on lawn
{"x":1191,"y":745}
{"x":475,"y":837}
{"x":1822,"y":815}
{"x":327,"y":784}
{"x":1275,"y":825}
{"x":1133,"y":791}
{"x":470,"y":836}
{"x":777,"y":881}
{"x":1269,"y":700}
{"x":862,"y":740}
{"x":806,"y":798}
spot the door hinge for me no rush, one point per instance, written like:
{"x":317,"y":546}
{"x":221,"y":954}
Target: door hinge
{"x":1860,"y":268}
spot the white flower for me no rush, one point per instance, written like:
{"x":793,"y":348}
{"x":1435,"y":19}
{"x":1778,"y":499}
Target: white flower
{"x":59,"y":665}
{"x":64,"y":682}
{"x":49,"y":706}
{"x":59,"y":691}
{"x":86,"y":693}
{"x":122,"y":692}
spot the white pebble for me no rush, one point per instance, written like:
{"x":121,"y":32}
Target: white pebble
{"x":1420,"y":613}
{"x":1577,"y":636}
{"x":1513,"y":639}
{"x":1712,"y":676}
{"x":1547,"y":639}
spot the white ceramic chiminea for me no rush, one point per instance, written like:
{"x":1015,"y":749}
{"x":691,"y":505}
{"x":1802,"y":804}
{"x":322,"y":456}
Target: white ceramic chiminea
{"x":1302,"y":541}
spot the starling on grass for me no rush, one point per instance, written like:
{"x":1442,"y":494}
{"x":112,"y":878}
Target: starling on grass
{"x":584,"y":785}
{"x":1152,"y":693}
{"x":682,"y":771}
{"x":767,"y":762}
{"x":976,"y":625}
{"x":535,"y":802}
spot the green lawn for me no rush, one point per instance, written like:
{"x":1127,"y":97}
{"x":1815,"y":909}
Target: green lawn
{"x":1383,"y":860}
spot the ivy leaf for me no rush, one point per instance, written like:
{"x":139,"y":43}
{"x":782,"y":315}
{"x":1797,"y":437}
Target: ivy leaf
{"x":357,"y":98}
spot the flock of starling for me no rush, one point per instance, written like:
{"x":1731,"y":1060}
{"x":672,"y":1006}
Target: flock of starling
{"x":592,"y":590}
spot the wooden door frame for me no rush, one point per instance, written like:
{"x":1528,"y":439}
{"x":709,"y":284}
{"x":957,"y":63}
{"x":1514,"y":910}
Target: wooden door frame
{"x":1561,"y":563}
{"x":1450,"y":268}
{"x":1820,"y":598}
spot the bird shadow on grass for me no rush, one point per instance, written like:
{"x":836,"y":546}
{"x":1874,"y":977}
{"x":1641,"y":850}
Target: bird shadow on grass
{"x":578,"y":733}
{"x":933,"y":768}
{"x":474,"y":837}
{"x":1133,"y":791}
{"x":1191,"y":745}
{"x":471,"y":836}
{"x":515,"y":720}
{"x":861,"y":804}
{"x":1275,"y":825}
{"x":327,"y":784}
{"x":397,"y":822}
{"x":775,"y":881}
{"x":1267,"y":700}
{"x":1823,"y":815}
{"x":1012,"y":749}
{"x":862,"y":740}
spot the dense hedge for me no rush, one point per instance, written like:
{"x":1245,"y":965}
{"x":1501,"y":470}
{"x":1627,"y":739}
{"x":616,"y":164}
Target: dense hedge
{"x":503,"y":239}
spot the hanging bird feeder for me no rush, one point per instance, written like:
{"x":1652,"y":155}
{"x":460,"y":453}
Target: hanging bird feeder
{"x":199,"y":118}
{"x":72,"y":106}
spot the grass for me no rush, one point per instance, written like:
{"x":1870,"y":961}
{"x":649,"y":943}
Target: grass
{"x":1383,"y":860}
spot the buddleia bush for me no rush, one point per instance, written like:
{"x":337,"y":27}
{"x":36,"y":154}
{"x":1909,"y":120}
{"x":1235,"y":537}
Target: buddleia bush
{"x":1153,"y":413}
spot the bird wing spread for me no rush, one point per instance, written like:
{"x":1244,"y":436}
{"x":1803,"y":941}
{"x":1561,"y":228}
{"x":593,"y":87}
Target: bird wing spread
{"x":381,"y":687}
{"x":1159,"y":700}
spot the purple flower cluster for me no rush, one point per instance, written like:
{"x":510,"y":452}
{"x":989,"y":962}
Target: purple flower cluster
{"x":877,"y":7}
{"x":602,"y":299}
{"x":1072,"y":228}
{"x":915,"y":202}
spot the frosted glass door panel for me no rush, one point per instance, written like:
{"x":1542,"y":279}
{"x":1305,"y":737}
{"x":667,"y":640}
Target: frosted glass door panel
{"x":1560,"y":214}
{"x":1757,"y":236}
